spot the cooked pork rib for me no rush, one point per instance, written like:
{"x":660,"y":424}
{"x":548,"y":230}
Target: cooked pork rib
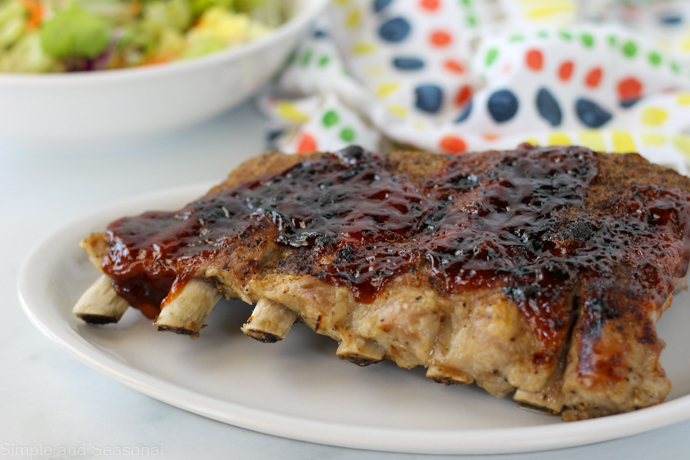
{"x":539,"y":271}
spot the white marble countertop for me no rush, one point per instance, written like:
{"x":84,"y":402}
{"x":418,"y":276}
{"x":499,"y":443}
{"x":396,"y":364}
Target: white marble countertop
{"x":51,"y":406}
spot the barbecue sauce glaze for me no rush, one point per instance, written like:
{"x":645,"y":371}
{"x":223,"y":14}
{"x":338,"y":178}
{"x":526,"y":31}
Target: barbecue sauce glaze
{"x":512,"y":220}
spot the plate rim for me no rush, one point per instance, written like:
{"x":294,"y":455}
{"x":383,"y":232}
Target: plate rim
{"x":402,"y":440}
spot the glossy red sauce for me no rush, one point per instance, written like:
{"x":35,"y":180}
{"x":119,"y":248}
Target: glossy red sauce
{"x":512,"y":220}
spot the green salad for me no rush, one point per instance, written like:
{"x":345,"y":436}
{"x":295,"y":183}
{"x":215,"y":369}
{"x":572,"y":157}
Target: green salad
{"x":42,"y":36}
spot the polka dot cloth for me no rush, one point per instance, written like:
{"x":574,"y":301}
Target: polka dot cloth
{"x":452,"y":76}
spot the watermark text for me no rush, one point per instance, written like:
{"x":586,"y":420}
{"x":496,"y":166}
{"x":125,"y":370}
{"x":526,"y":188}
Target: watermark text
{"x":96,"y":449}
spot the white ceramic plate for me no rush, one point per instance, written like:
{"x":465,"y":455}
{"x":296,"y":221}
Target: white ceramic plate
{"x":298,"y":388}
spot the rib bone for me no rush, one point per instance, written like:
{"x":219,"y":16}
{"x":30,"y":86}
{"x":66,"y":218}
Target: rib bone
{"x":100,"y":304}
{"x":549,"y":400}
{"x":681,"y":283}
{"x":270,"y":321}
{"x":448,"y":375}
{"x":185,"y":312}
{"x":360,"y":351}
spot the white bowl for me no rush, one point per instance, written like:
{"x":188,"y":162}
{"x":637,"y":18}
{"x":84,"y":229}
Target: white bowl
{"x":133,"y":103}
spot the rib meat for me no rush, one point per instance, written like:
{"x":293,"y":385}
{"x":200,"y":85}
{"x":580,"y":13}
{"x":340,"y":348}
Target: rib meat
{"x":538,"y":271}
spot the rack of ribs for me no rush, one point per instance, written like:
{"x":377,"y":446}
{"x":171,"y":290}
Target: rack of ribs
{"x":539,"y":272}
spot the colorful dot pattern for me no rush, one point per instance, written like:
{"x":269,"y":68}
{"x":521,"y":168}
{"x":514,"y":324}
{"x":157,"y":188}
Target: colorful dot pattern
{"x":410,"y":72}
{"x":548,"y":107}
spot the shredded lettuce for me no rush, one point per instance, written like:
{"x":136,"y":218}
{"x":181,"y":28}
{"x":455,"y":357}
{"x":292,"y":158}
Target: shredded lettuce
{"x":12,"y":23}
{"x":27,"y":56}
{"x":176,"y":14}
{"x":75,"y":32}
{"x":199,"y":6}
